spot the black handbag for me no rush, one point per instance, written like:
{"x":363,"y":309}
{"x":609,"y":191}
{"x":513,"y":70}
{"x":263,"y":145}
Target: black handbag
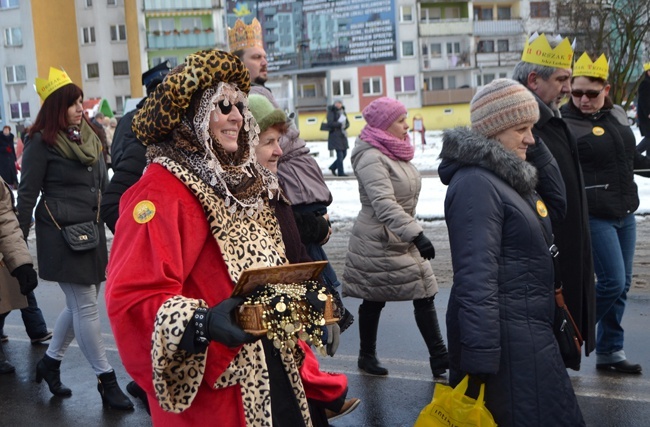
{"x":82,"y":236}
{"x":324,"y":126}
{"x":567,"y":333}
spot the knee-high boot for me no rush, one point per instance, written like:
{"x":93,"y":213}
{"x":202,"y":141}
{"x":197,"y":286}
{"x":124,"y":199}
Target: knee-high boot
{"x":5,"y":367}
{"x":427,"y":321}
{"x":368,"y":324}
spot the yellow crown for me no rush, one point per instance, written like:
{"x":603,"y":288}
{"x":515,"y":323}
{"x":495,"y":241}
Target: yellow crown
{"x":538,"y":51}
{"x":57,"y":78}
{"x":646,"y":66}
{"x":243,"y":36}
{"x":585,"y":67}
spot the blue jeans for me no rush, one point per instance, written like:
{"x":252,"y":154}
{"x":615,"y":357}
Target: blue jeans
{"x":612,"y":242}
{"x":338,"y":163}
{"x":32,"y":318}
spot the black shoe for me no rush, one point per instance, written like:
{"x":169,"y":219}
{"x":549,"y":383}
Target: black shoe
{"x":343,"y":174}
{"x":349,"y":406}
{"x":369,"y":363}
{"x":623,"y":367}
{"x":48,"y":369}
{"x":112,"y":395}
{"x":41,"y":340}
{"x":333,"y":170}
{"x":138,"y":392}
{"x":4,"y":338}
{"x":6,"y":367}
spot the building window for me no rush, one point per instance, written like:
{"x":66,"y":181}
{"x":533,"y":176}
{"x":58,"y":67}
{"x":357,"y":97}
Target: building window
{"x":190,"y":24}
{"x":451,"y":82}
{"x":111,"y":2}
{"x":341,"y":88}
{"x":372,"y":86}
{"x":164,"y":25}
{"x":408,"y":51}
{"x":120,"y":68}
{"x":540,"y":9}
{"x":405,"y":84}
{"x":13,"y":36}
{"x":486,"y":46}
{"x":19,"y":110}
{"x":436,"y":50}
{"x":16,"y":74}
{"x":118,"y":33}
{"x":89,"y":3}
{"x":503,"y":12}
{"x":8,"y":4}
{"x":88,"y":35}
{"x":307,"y":90}
{"x":452,"y":12}
{"x":92,"y":70}
{"x":453,"y":48}
{"x":482,"y":13}
{"x":120,"y":101}
{"x":406,"y":14}
{"x":431,"y":14}
{"x":503,"y":45}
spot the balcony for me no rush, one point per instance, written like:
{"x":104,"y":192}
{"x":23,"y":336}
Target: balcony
{"x":498,"y":59}
{"x":448,"y":96}
{"x":446,"y":62}
{"x":161,"y":40}
{"x":150,"y":5}
{"x":446,"y":27}
{"x":316,"y":103}
{"x":498,"y":28}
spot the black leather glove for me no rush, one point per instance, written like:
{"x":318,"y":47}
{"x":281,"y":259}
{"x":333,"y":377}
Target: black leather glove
{"x":221,"y":326}
{"x":474,"y":384}
{"x":27,"y":278}
{"x":425,"y":246}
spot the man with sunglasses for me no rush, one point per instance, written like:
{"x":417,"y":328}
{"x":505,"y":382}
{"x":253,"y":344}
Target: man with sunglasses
{"x":545,"y":69}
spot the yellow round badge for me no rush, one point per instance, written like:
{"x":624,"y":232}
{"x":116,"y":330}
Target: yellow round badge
{"x":144,"y":212}
{"x":541,"y":209}
{"x":598,"y":131}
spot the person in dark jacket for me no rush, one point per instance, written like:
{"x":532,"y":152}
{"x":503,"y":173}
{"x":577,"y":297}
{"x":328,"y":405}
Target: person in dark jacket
{"x":64,"y":165}
{"x":549,"y":83}
{"x":501,"y":306}
{"x":127,"y":153}
{"x":606,"y":146}
{"x":8,"y":170}
{"x":643,"y":109}
{"x":337,"y":140}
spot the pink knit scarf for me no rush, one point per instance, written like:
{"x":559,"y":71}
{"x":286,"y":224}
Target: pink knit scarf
{"x":394,"y":148}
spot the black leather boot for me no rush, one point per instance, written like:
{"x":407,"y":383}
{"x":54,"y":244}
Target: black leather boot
{"x":427,"y":321}
{"x":48,"y":369}
{"x":111,"y":393}
{"x":5,"y":367}
{"x":368,"y":324}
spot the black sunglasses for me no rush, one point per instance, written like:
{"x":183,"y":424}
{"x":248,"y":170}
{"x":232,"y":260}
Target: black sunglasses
{"x":591,"y":94}
{"x":226,"y":109}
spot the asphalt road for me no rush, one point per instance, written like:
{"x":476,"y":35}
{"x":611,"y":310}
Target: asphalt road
{"x":396,"y":400}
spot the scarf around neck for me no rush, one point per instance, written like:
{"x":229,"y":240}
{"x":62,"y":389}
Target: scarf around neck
{"x":87,"y":151}
{"x":388,"y":144}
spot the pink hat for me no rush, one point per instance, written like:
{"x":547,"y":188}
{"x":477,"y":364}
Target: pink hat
{"x":382,"y":112}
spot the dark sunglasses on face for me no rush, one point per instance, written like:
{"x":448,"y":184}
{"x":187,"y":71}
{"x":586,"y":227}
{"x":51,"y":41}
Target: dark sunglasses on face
{"x":226,"y":109}
{"x":591,"y":94}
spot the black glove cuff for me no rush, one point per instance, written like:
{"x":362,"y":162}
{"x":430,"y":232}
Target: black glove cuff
{"x":200,"y":318}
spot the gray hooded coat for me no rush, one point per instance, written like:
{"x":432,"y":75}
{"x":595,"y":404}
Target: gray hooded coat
{"x":501,"y":307}
{"x":382,"y":263}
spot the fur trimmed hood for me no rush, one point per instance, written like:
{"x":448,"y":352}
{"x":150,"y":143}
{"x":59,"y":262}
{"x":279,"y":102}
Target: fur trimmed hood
{"x":461,"y":147}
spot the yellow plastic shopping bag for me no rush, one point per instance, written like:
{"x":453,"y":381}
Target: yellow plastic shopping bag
{"x":451,"y":408}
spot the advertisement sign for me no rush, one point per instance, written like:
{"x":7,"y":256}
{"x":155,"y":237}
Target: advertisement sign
{"x":313,"y":34}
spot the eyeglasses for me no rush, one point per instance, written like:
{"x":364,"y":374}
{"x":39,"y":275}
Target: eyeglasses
{"x":591,"y":94}
{"x":226,"y":109}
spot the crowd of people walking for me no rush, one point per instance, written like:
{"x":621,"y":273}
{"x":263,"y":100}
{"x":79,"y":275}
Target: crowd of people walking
{"x":211,"y":179}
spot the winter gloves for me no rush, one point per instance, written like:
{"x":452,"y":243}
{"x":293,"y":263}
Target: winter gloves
{"x":221,"y":326}
{"x":425,"y":246}
{"x":27,"y":278}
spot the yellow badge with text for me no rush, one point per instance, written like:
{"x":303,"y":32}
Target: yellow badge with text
{"x":144,"y":212}
{"x":598,"y":131}
{"x":541,"y":209}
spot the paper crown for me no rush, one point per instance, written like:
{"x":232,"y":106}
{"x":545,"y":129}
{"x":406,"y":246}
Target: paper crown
{"x":243,"y":36}
{"x":56,"y":79}
{"x":538,"y":51}
{"x":646,"y":66}
{"x":585,"y":67}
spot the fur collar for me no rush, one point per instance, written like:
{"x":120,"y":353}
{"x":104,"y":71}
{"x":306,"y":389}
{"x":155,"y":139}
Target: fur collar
{"x":462,"y":147}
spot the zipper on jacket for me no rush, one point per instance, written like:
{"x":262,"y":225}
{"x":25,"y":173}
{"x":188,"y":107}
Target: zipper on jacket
{"x":591,"y":187}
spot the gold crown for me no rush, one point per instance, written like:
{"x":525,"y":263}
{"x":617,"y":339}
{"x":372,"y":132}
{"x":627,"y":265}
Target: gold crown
{"x":56,"y":79}
{"x":538,"y":51}
{"x":585,"y":67}
{"x":243,"y":36}
{"x":646,"y":66}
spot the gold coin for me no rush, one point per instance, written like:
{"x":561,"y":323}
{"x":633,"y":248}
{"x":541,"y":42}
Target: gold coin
{"x":280,"y":307}
{"x":288,"y":328}
{"x":322,"y":297}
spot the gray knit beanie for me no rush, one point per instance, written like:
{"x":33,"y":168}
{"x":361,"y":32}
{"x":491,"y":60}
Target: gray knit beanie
{"x":500,"y":105}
